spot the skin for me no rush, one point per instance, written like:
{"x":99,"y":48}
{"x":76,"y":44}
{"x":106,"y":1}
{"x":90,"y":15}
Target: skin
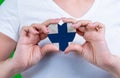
{"x":78,"y":9}
{"x":92,"y":50}
{"x":95,"y":49}
{"x":28,"y":49}
{"x":7,"y":45}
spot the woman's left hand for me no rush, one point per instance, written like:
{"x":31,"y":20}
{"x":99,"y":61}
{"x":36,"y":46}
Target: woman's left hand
{"x":95,"y":49}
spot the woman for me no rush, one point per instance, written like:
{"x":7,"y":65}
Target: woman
{"x":24,"y":14}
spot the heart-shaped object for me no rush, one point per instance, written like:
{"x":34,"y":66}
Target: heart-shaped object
{"x":61,"y":35}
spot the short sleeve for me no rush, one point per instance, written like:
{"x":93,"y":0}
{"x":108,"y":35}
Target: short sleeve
{"x":9,"y":19}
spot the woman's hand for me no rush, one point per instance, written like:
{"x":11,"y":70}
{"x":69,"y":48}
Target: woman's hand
{"x":95,"y":49}
{"x":28,"y":52}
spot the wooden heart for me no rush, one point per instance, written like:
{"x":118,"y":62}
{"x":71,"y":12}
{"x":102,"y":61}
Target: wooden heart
{"x":61,"y":35}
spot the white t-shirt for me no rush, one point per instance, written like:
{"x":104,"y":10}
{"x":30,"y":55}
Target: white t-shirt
{"x":14,"y":14}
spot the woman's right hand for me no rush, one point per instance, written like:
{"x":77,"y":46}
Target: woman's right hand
{"x":28,"y":52}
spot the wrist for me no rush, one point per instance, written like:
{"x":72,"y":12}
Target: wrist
{"x":107,"y":60}
{"x":17,"y":67}
{"x":8,"y":68}
{"x":115,"y":70}
{"x":13,"y":67}
{"x":101,"y":46}
{"x":111,"y":62}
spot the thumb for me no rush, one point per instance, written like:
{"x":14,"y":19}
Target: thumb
{"x":74,"y":47}
{"x":49,"y":48}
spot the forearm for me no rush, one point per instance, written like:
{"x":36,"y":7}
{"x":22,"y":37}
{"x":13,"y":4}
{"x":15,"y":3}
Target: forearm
{"x":7,"y":69}
{"x":115,"y":70}
{"x":7,"y":45}
{"x":109,"y":62}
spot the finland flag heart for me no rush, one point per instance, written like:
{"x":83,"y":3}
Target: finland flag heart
{"x":61,"y":34}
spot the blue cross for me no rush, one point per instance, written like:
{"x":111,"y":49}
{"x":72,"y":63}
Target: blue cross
{"x":62,"y":37}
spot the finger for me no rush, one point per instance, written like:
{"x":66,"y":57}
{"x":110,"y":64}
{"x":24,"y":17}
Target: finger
{"x":73,"y":47}
{"x":45,"y":30}
{"x":95,"y":26}
{"x":42,"y":36}
{"x":47,"y":23}
{"x":80,"y":32}
{"x":91,"y":27}
{"x":82,"y":29}
{"x":24,"y":31}
{"x":68,"y":20}
{"x":40,"y":28}
{"x":33,"y":30}
{"x":49,"y":48}
{"x":50,"y":21}
{"x":79,"y":29}
{"x":80,"y":26}
{"x":81,"y":23}
{"x":99,"y":26}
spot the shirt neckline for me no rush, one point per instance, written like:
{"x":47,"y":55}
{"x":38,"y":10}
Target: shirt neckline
{"x":64,"y":13}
